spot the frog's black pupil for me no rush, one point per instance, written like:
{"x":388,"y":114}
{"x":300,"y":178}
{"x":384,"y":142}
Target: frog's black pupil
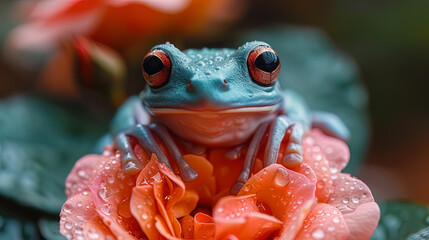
{"x":152,"y":64}
{"x":267,"y":61}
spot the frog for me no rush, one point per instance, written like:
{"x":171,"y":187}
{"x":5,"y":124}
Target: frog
{"x":216,"y":98}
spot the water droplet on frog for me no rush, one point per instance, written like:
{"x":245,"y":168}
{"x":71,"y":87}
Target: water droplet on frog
{"x":219,"y":59}
{"x":208,"y":72}
{"x":318,"y":234}
{"x":200,"y":64}
{"x":281,"y":178}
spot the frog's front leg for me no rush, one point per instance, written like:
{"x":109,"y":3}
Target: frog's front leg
{"x":250,"y":159}
{"x":292,"y":155}
{"x":130,"y":164}
{"x":143,"y":134}
{"x":187,"y":173}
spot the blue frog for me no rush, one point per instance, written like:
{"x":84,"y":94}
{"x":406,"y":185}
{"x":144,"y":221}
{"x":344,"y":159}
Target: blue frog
{"x":216,"y":98}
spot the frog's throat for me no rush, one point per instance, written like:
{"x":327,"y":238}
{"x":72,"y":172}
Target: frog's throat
{"x":217,"y":128}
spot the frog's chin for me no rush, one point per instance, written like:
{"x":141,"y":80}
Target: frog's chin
{"x":220,"y":128}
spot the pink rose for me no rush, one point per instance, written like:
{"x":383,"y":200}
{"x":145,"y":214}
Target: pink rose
{"x":313,"y":201}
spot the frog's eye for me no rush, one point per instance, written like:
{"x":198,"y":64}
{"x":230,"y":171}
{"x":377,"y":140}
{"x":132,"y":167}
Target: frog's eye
{"x":156,"y":68}
{"x":264,"y":65}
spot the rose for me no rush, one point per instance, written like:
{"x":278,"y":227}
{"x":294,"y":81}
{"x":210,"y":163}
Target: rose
{"x":121,"y":24}
{"x":312,"y":201}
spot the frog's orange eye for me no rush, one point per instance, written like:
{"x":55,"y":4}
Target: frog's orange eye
{"x":156,"y":68}
{"x":264,"y":65}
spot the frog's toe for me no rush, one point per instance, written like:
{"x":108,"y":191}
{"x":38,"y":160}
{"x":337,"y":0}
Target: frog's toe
{"x":132,"y":167}
{"x":188,"y":174}
{"x":292,"y":160}
{"x":236,"y":188}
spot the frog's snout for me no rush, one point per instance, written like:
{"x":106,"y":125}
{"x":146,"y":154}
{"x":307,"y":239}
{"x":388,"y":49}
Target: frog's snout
{"x":203,"y":85}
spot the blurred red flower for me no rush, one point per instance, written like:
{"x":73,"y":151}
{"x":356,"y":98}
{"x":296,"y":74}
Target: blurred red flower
{"x":120,"y":24}
{"x":312,"y":201}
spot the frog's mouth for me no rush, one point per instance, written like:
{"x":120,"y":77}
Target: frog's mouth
{"x":221,"y":128}
{"x":237,"y":110}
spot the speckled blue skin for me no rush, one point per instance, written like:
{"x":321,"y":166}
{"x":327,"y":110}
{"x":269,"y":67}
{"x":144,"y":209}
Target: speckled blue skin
{"x":209,"y":70}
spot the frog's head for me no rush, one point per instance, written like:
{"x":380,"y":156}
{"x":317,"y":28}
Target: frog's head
{"x":215,"y":97}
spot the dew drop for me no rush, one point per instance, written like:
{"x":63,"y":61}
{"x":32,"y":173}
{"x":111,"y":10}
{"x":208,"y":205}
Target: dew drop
{"x":107,"y":209}
{"x":145,"y":216}
{"x":281,"y":178}
{"x":67,"y":208}
{"x":82,"y":174}
{"x":68,"y":225}
{"x":92,"y":234}
{"x":103,"y":193}
{"x":318,"y":234}
{"x":345,"y":200}
{"x":355,"y":199}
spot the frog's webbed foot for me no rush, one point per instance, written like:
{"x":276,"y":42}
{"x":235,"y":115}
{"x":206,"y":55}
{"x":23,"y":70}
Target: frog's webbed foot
{"x":143,"y":134}
{"x":292,"y":155}
{"x":330,"y":124}
{"x":130,"y":163}
{"x":250,"y":158}
{"x":186,"y":172}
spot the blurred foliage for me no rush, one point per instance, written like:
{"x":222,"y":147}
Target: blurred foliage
{"x":17,"y":230}
{"x":420,"y":235}
{"x":327,"y":79}
{"x":39,"y":143}
{"x":400,"y":219}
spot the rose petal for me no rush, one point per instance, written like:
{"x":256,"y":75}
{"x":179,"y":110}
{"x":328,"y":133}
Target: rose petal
{"x":143,"y":208}
{"x":205,"y":185}
{"x":95,"y":229}
{"x":354,"y":199}
{"x":83,"y":173}
{"x":288,"y":195}
{"x":162,"y":228}
{"x":324,"y":222}
{"x":75,"y":213}
{"x":336,"y":151}
{"x":314,"y":156}
{"x":186,"y":205}
{"x":306,"y":170}
{"x":111,"y":187}
{"x":187,"y":223}
{"x":204,"y":226}
{"x":240,"y":216}
{"x":363,"y":221}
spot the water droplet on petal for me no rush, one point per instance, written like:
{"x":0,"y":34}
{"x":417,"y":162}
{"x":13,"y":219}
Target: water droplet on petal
{"x":104,"y":193}
{"x":281,"y":178}
{"x":318,"y":234}
{"x":67,"y":208}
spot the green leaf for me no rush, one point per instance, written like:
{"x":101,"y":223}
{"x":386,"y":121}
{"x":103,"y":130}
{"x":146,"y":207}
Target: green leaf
{"x":50,"y":229}
{"x":17,"y":230}
{"x":324,"y":76}
{"x":399,"y":219}
{"x":420,"y":235}
{"x":40,"y":141}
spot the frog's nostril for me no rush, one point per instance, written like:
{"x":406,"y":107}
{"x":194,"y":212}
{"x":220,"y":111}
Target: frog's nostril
{"x":189,"y":86}
{"x":225,"y":85}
